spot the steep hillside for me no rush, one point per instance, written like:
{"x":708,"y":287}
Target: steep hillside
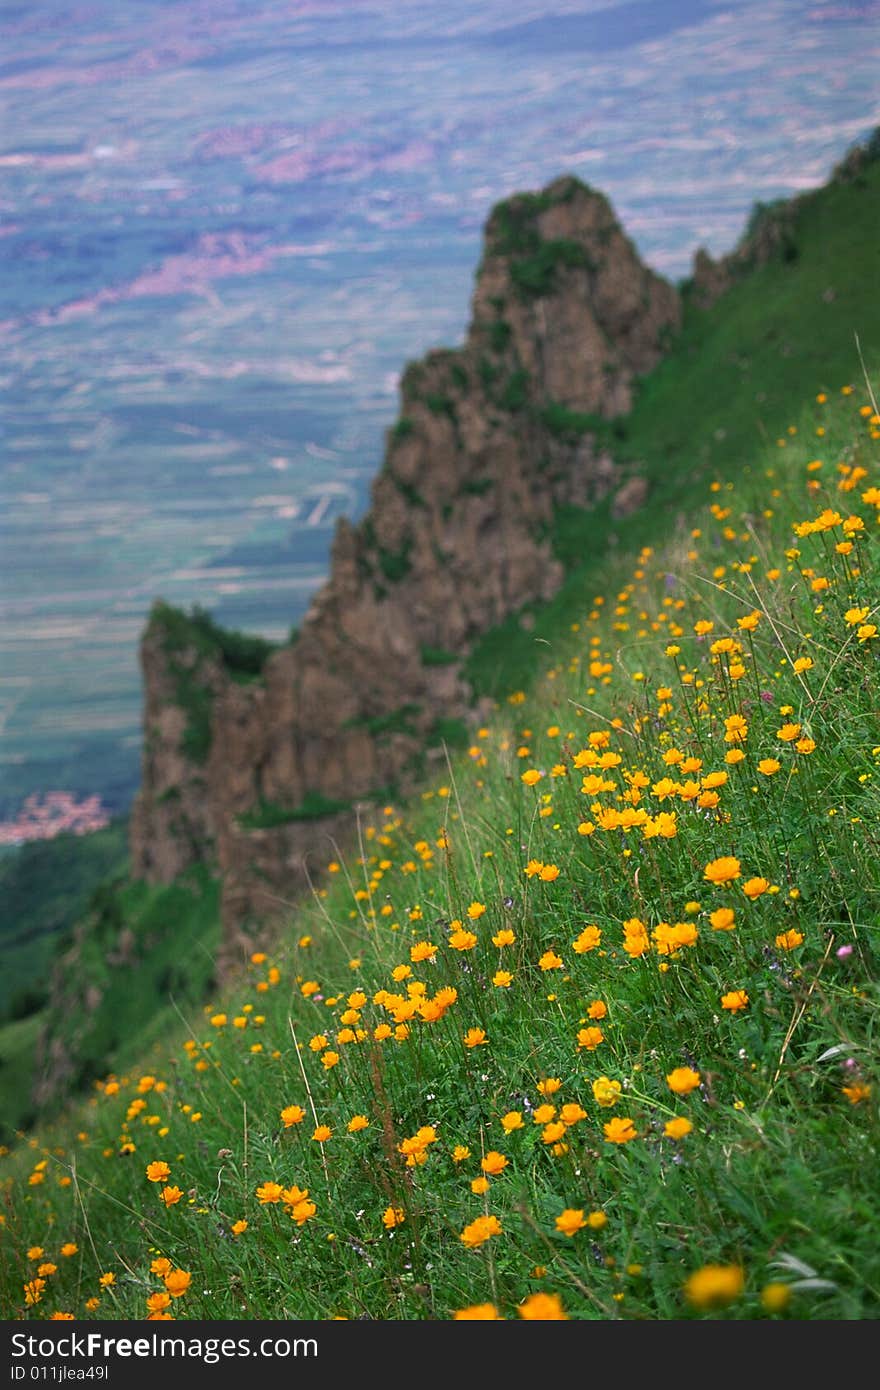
{"x":45,"y":888}
{"x":585,"y":1031}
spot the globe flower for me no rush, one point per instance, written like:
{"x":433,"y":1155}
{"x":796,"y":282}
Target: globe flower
{"x":424,"y":950}
{"x":620,"y":1130}
{"x":755,"y":887}
{"x":636,"y":941}
{"x":553,"y":1132}
{"x":722,"y":919}
{"x":302,"y":1211}
{"x":572,"y":1113}
{"x":714,"y":1286}
{"x":158,"y":1171}
{"x":542,"y":1307}
{"x":462,"y":940}
{"x":722,"y":870}
{"x":478,"y":1312}
{"x":177,"y":1281}
{"x":479,"y":1231}
{"x":570,"y":1221}
{"x":683,"y":1080}
{"x":856,"y":1093}
{"x":789,"y":940}
{"x":677,"y":1127}
{"x":605,"y":1092}
{"x":588,"y":940}
{"x":736,"y":729}
{"x":854,"y":616}
{"x":775,"y":1297}
{"x":734,"y":1000}
{"x":494,"y":1163}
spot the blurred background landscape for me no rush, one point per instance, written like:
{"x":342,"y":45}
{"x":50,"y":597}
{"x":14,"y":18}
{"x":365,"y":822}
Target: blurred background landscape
{"x":227,"y":225}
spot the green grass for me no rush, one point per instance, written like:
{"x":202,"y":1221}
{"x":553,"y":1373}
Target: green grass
{"x":396,"y":564}
{"x":644,"y":897}
{"x":534,"y":261}
{"x":269,"y":814}
{"x":141,"y":954}
{"x":191,"y":641}
{"x":438,"y":656}
{"x":534,"y":275}
{"x":567,"y":921}
{"x":396,"y":721}
{"x":18,"y":1042}
{"x":567,"y":423}
{"x":44,"y":888}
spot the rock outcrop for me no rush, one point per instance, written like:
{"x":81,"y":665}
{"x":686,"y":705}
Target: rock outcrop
{"x":260,"y":770}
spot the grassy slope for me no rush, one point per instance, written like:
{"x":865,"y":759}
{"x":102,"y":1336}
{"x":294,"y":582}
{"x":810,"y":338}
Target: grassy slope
{"x":737,"y":1144}
{"x":44,"y":890}
{"x":777,"y":1175}
{"x":44,"y":887}
{"x":168,"y":964}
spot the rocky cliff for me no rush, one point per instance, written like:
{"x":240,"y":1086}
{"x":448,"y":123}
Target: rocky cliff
{"x":259,"y":767}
